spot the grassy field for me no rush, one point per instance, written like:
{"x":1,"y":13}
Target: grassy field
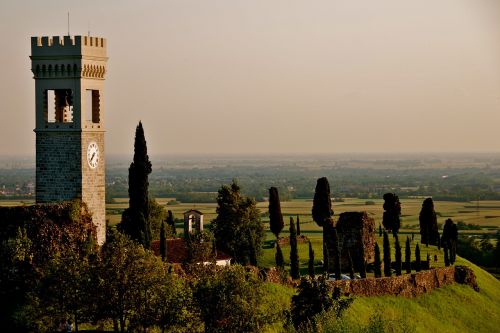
{"x":486,"y":214}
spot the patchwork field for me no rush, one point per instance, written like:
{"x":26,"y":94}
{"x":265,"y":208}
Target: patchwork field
{"x":486,"y":214}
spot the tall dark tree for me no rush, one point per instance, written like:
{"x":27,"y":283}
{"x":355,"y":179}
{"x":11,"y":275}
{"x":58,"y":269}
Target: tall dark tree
{"x":171,"y":222}
{"x":380,"y":230}
{"x":429,"y":233}
{"x":446,"y":256}
{"x":418,"y":263}
{"x":392,"y":212}
{"x":450,"y":238}
{"x":398,"y":256}
{"x":280,"y":260}
{"x":322,"y":214}
{"x":377,"y":265}
{"x":351,"y":265}
{"x":362,"y":262}
{"x":135,"y":219}
{"x":298,"y":225}
{"x":408,"y":256}
{"x":387,"y":255}
{"x":310,"y":267}
{"x":275,"y":217}
{"x":163,"y":242}
{"x":238,"y":229}
{"x":294,"y":253}
{"x":326,"y":259}
{"x":336,"y":255}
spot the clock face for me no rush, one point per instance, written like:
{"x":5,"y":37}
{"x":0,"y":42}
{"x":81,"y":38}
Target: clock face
{"x":93,"y":155}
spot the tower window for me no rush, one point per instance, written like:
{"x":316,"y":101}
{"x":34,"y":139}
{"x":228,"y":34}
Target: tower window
{"x":93,"y":106}
{"x":58,"y":106}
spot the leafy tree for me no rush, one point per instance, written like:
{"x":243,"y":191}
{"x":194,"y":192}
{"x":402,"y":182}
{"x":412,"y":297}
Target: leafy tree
{"x":392,"y":212}
{"x":298,"y":225}
{"x":387,"y":255}
{"x":313,"y":297}
{"x":294,"y":253}
{"x":200,"y":247}
{"x":280,"y":261}
{"x":230,"y":299}
{"x":398,"y":257}
{"x":275,"y":217}
{"x":157,"y":215}
{"x":163,"y":242}
{"x":128,"y":277}
{"x":428,"y":223}
{"x":238,"y":229}
{"x":496,"y":253}
{"x":322,"y":214}
{"x":135,"y":219}
{"x":418,"y":264}
{"x":408,"y":256}
{"x":336,"y":254}
{"x":173,"y":307}
{"x":377,"y":264}
{"x":171,"y":222}
{"x":310,"y":267}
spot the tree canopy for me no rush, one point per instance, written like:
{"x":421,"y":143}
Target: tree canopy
{"x":238,"y":229}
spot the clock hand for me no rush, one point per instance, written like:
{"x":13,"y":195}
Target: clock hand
{"x":92,"y":158}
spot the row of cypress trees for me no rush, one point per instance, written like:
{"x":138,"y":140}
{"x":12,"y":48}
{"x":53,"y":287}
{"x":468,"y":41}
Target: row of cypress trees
{"x":398,"y":257}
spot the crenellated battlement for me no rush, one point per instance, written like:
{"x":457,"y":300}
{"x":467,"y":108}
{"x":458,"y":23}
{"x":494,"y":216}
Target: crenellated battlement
{"x":68,"y":46}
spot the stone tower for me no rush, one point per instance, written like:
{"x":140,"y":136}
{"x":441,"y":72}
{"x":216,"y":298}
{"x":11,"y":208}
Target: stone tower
{"x":69,"y":92}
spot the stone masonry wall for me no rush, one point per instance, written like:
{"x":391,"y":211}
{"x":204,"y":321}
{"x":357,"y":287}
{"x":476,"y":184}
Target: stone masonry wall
{"x":58,"y":160}
{"x":93,"y":183}
{"x":408,"y":285}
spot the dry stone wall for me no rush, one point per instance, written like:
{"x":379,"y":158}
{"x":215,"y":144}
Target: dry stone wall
{"x":409,"y":285}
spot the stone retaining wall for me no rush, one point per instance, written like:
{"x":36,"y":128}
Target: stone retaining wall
{"x":408,"y":285}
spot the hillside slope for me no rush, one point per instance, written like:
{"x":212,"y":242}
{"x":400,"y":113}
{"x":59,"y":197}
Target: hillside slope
{"x":456,"y":308}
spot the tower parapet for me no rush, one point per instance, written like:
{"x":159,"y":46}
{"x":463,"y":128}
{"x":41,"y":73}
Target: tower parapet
{"x":57,"y":46}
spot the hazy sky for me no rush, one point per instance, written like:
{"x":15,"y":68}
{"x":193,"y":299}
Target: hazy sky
{"x":269,"y":76}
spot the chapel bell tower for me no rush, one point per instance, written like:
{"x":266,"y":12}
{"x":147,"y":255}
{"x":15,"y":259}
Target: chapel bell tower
{"x":69,"y":93}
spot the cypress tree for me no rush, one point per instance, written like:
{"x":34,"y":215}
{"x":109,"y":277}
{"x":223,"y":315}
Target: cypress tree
{"x":336,"y":253}
{"x":276,"y":223}
{"x":135,"y":220}
{"x":171,"y":222}
{"x":408,"y":256}
{"x":450,"y":238}
{"x":398,"y":257}
{"x":322,"y":214}
{"x":392,"y":212}
{"x":351,"y":266}
{"x":326,"y":259}
{"x":380,"y":230}
{"x":446,"y":257}
{"x":298,"y":226}
{"x":310,"y":267}
{"x":377,"y":264}
{"x":280,"y":261}
{"x":428,"y":223}
{"x":418,"y":264}
{"x":163,"y":242}
{"x":362,"y":262}
{"x":387,"y":255}
{"x":294,"y":254}
{"x":428,"y":259}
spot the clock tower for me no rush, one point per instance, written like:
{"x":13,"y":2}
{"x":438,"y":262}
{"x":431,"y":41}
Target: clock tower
{"x":69,"y":93}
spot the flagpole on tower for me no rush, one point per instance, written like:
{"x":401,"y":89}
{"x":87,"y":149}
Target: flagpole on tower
{"x":68,"y":24}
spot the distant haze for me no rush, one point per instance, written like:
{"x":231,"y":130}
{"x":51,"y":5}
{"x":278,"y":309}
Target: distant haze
{"x":265,"y":77}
